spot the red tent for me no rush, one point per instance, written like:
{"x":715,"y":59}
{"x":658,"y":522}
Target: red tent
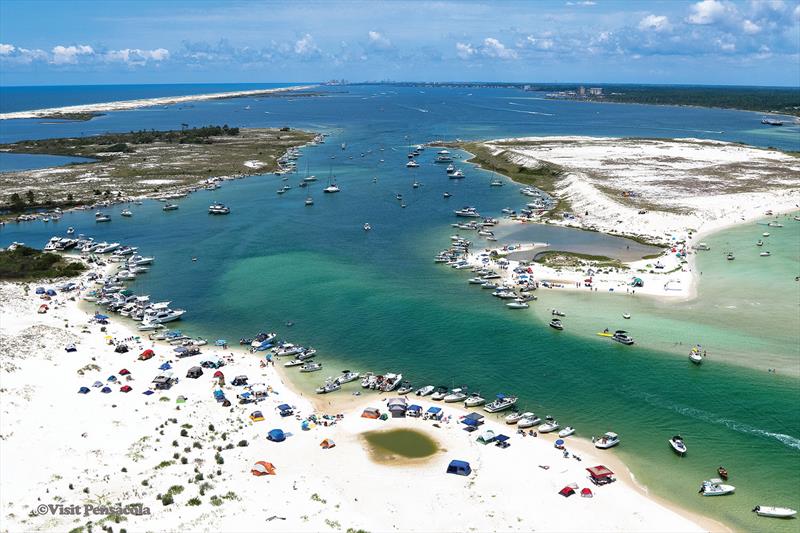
{"x":600,"y":474}
{"x":567,"y":491}
{"x":124,"y":372}
{"x":126,"y":388}
{"x":147,"y":354}
{"x":219,"y":374}
{"x":586,"y":493}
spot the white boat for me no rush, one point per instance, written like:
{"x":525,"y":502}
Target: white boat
{"x":696,"y":356}
{"x":218,"y":209}
{"x":774,"y":512}
{"x":528,"y":420}
{"x":626,"y":316}
{"x":405,"y":388}
{"x":496,"y":182}
{"x":293,"y":362}
{"x":774,"y":224}
{"x":100,"y":217}
{"x":715,"y":487}
{"x":474,"y":400}
{"x":412,"y":164}
{"x":765,"y":234}
{"x":167,"y":315}
{"x":455,"y":395}
{"x":70,"y":230}
{"x":426,"y":390}
{"x":760,"y":243}
{"x":330,"y":189}
{"x":309,"y":201}
{"x":550,"y":425}
{"x":502,"y":403}
{"x":311,"y":367}
{"x":450,"y":168}
{"x":566,"y":432}
{"x":457,"y":175}
{"x":367,"y":227}
{"x":609,"y":440}
{"x":169,"y":207}
{"x":105,"y":248}
{"x":331,"y":385}
{"x":368,"y":379}
{"x":390,"y":382}
{"x":765,"y":254}
{"x":126,"y":213}
{"x":517,"y":304}
{"x":513,"y":417}
{"x":288,"y":349}
{"x":439,"y":393}
{"x":347,"y":376}
{"x":150,"y":326}
{"x":677,"y":444}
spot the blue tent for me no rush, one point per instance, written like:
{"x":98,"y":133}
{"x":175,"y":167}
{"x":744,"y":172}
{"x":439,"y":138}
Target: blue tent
{"x":434,"y":410}
{"x":97,"y":384}
{"x":414,"y":407}
{"x":276,"y":435}
{"x":219,"y":395}
{"x":105,"y":390}
{"x":165,"y":366}
{"x":460,"y":468}
{"x":83,"y":390}
{"x":148,"y":392}
{"x":286,"y":409}
{"x":50,"y":292}
{"x":39,"y":290}
{"x":112,"y":378}
{"x":470,"y":422}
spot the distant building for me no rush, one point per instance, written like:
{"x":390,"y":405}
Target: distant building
{"x":595,"y":91}
{"x":582,"y":91}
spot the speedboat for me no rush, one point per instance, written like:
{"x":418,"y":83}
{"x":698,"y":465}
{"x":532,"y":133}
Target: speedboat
{"x":677,"y":444}
{"x":415,"y":185}
{"x":775,"y":224}
{"x":404,"y":388}
{"x":609,"y":440}
{"x":169,"y":207}
{"x":450,"y":168}
{"x":311,"y":367}
{"x":695,"y":356}
{"x":367,"y":227}
{"x":730,"y":256}
{"x":513,"y":417}
{"x":496,"y":182}
{"x":760,"y":243}
{"x":765,"y":234}
{"x":288,"y":349}
{"x":550,"y":425}
{"x":556,"y":312}
{"x":412,"y":164}
{"x":424,"y":391}
{"x":331,"y":385}
{"x":474,"y":400}
{"x":622,"y":337}
{"x":715,"y":487}
{"x":100,"y":217}
{"x":502,"y":403}
{"x":167,"y":315}
{"x":626,"y":316}
{"x":556,"y":324}
{"x":447,"y":195}
{"x":765,"y":254}
{"x":70,"y":230}
{"x":309,"y":201}
{"x":126,"y":213}
{"x":455,"y":395}
{"x":528,"y":420}
{"x":347,"y":376}
{"x":457,"y":175}
{"x":439,"y":393}
{"x":293,"y":362}
{"x":774,"y":512}
{"x":517,"y":304}
{"x":566,"y":432}
{"x":390,"y":382}
{"x":218,"y":209}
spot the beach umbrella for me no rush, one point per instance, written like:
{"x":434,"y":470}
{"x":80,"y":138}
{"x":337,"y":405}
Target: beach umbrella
{"x":559,"y":443}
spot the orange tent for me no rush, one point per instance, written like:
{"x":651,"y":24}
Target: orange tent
{"x":262,"y":468}
{"x":327,"y":443}
{"x":371,"y":412}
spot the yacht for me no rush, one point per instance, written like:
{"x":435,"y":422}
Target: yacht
{"x":474,"y":400}
{"x":426,"y":390}
{"x":528,"y":420}
{"x":457,"y":175}
{"x":556,"y":324}
{"x":467,"y":212}
{"x":550,"y":425}
{"x":170,"y":207}
{"x":311,"y":367}
{"x":412,"y":164}
{"x":126,"y":213}
{"x":218,"y":209}
{"x":677,"y":444}
{"x":168,"y":315}
{"x":450,"y":168}
{"x":105,"y":248}
{"x":332,"y":188}
{"x":502,"y":403}
{"x":456,"y":395}
{"x":331,"y":385}
{"x":622,"y":337}
{"x":347,"y":376}
{"x":309,"y":179}
{"x":715,"y":487}
{"x":100,"y":217}
{"x":607,"y":441}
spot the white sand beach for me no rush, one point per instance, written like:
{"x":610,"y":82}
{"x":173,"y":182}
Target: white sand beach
{"x":123,"y":105}
{"x":118,"y":448}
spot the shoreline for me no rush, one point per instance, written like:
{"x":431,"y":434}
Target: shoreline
{"x":488,"y":461}
{"x":123,"y":105}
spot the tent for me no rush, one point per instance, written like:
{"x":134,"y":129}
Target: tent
{"x":263,"y":468}
{"x":124,"y":372}
{"x":600,"y":475}
{"x":414,"y":410}
{"x":486,"y":437}
{"x":180,"y":349}
{"x":637,"y":282}
{"x":147,"y":354}
{"x":460,"y":468}
{"x":434,"y":412}
{"x":98,"y":316}
{"x":327,"y":444}
{"x":276,"y":435}
{"x":256,"y":416}
{"x":50,"y":292}
{"x":239,"y":381}
{"x":105,"y":390}
{"x":501,"y":441}
{"x":165,"y":366}
{"x":97,"y":384}
{"x":83,"y":390}
{"x":71,"y":348}
{"x":126,"y":388}
{"x":586,"y":493}
{"x":180,"y":399}
{"x":567,"y":491}
{"x":286,"y":409}
{"x":112,"y":378}
{"x":39,"y":290}
{"x":148,"y":392}
{"x":371,"y":412}
{"x":194,"y":372}
{"x":305,"y":425}
{"x":219,"y":374}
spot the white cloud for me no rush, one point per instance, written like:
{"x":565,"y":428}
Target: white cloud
{"x":706,"y":12}
{"x":306,"y":46}
{"x":539,"y":43}
{"x":379,"y":40}
{"x":494,"y":48}
{"x":750,"y":27}
{"x":797,"y":12}
{"x":6,"y":49}
{"x":582,"y":3}
{"x":465,"y":51}
{"x":69,"y":54}
{"x":725,"y":46}
{"x":657,"y":23}
{"x":135,"y":56}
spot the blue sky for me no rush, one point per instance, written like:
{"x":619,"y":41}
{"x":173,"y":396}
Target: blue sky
{"x":747,"y":42}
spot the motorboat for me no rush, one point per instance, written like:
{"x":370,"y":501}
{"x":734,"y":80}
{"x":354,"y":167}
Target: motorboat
{"x":760,"y":243}
{"x":474,"y":400}
{"x":456,"y":395}
{"x":293,"y":362}
{"x":126,"y":213}
{"x":311,"y":367}
{"x":677,"y":444}
{"x":390,"y":382}
{"x":415,"y":185}
{"x":765,"y":234}
{"x":288,"y":349}
{"x":309,"y":201}
{"x":730,"y":256}
{"x":100,"y":217}
{"x":765,"y":254}
{"x":150,"y":326}
{"x":426,"y":390}
{"x":528,"y":420}
{"x":622,"y":337}
{"x":467,"y":212}
{"x":715,"y":487}
{"x":70,"y":230}
{"x":556,"y":312}
{"x":696,"y":356}
{"x":550,"y":425}
{"x":626,"y":316}
{"x":170,"y":207}
{"x":347,"y":376}
{"x":775,"y":224}
{"x":447,"y":195}
{"x":496,"y":182}
{"x":502,"y":403}
{"x":367,"y":227}
{"x":331,"y":385}
{"x":513,"y":417}
{"x":368,"y":379}
{"x":105,"y":247}
{"x":556,"y":324}
{"x":306,"y":354}
{"x":412,"y":164}
{"x":609,"y":440}
{"x":404,"y":388}
{"x":450,"y":168}
{"x":566,"y":432}
{"x":167,"y":315}
{"x":457,"y":175}
{"x":218,"y":209}
{"x":518,"y":304}
{"x":439,"y":393}
{"x":774,"y":512}
{"x":477,"y":281}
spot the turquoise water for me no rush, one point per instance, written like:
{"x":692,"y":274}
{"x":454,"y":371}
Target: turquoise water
{"x":376,"y":301}
{"x":14,"y":162}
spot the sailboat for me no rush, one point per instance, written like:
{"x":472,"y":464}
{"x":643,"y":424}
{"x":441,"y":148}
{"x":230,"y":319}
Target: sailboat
{"x":331,"y":188}
{"x":309,"y":200}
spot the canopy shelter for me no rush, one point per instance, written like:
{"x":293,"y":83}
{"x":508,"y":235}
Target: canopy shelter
{"x":276,"y":435}
{"x":286,"y":409}
{"x":460,"y":468}
{"x":414,"y":410}
{"x":600,"y":475}
{"x":501,"y":441}
{"x":469,"y":422}
{"x":434,"y":412}
{"x":475,"y":416}
{"x":263,"y":468}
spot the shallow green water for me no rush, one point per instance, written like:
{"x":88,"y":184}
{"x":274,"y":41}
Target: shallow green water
{"x":406,"y":443}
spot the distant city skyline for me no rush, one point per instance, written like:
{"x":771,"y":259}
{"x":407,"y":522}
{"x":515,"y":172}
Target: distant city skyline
{"x":711,"y":42}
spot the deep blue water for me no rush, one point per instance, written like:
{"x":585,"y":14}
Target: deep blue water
{"x":12,"y":162}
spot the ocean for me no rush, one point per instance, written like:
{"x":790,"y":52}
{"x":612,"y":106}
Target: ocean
{"x":376,"y":301}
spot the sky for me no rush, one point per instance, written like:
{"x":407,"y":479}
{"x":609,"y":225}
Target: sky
{"x":718,"y":42}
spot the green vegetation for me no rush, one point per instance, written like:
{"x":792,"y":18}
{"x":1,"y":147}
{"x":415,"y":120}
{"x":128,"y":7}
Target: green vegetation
{"x":25,"y":263}
{"x":75,"y":117}
{"x":558,"y":259}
